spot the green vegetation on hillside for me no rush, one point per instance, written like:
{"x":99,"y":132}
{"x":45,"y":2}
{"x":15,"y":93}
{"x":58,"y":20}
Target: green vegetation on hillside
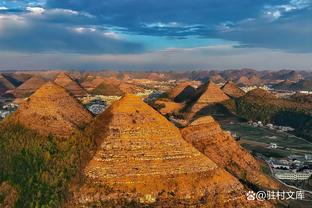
{"x":259,"y":105}
{"x":39,"y":168}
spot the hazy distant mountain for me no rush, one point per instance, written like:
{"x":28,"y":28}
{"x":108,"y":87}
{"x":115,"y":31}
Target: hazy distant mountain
{"x":302,"y":85}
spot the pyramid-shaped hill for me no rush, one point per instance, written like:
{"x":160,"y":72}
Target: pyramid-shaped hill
{"x":51,"y":110}
{"x":186,"y":94}
{"x":208,"y":137}
{"x":129,"y":88}
{"x":29,"y":87}
{"x":91,"y":82}
{"x":5,"y":85}
{"x":232,"y":90}
{"x":210,"y":93}
{"x":243,"y":81}
{"x":108,"y":89}
{"x":65,"y":81}
{"x":142,"y":155}
{"x":174,"y":92}
{"x":206,"y":95}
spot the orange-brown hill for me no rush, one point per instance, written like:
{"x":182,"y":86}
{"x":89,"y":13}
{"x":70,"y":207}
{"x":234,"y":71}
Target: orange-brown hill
{"x":5,"y":85}
{"x":91,"y":82}
{"x":174,"y":92}
{"x":29,"y":87}
{"x":232,"y":90}
{"x":51,"y":110}
{"x":208,"y":137}
{"x":206,"y":95}
{"x":114,"y":87}
{"x":142,"y":156}
{"x":65,"y":81}
{"x":108,"y":89}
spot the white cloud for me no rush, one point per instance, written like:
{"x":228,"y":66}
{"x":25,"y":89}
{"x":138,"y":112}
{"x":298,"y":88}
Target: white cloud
{"x":162,"y":25}
{"x":112,"y":35}
{"x":35,"y":10}
{"x":84,"y":29}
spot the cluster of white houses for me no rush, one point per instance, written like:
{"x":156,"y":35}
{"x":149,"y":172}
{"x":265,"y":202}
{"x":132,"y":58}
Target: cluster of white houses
{"x":291,"y":169}
{"x":293,"y":175}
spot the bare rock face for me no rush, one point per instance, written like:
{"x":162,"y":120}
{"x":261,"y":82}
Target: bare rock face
{"x":52,"y":110}
{"x":232,"y":90}
{"x":142,"y":156}
{"x":206,"y":95}
{"x":208,"y":137}
{"x":29,"y":87}
{"x":70,"y":85}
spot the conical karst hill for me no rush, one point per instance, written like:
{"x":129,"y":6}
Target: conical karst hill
{"x":141,"y":155}
{"x":51,"y":110}
{"x":65,"y":81}
{"x":174,"y":92}
{"x":5,"y":85}
{"x":29,"y":87}
{"x":232,"y":90}
{"x":208,"y":137}
{"x":108,"y":89}
{"x":207,"y":94}
{"x":129,"y":88}
{"x":91,"y":82}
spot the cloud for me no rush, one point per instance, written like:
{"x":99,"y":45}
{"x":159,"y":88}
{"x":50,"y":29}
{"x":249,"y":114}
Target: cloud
{"x":42,"y":30}
{"x":274,"y":23}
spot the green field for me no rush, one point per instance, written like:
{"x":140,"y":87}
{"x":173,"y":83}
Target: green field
{"x":256,"y":139}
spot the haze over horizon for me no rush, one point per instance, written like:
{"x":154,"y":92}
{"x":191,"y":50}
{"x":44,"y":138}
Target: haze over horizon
{"x":156,"y":35}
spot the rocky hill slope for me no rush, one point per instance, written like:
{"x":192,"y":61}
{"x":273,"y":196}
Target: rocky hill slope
{"x":65,"y":81}
{"x":142,"y":157}
{"x":5,"y":85}
{"x":206,"y":95}
{"x":232,"y":90}
{"x":208,"y":137}
{"x":51,"y":110}
{"x":29,"y":87}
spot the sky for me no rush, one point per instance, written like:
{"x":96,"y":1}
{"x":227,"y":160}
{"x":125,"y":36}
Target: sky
{"x":156,"y":34}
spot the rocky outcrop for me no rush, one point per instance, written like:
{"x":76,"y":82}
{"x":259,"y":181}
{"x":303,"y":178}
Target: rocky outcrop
{"x":208,"y":137}
{"x":141,"y":156}
{"x":51,"y":110}
{"x":70,"y":85}
{"x":232,"y":90}
{"x":29,"y":87}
